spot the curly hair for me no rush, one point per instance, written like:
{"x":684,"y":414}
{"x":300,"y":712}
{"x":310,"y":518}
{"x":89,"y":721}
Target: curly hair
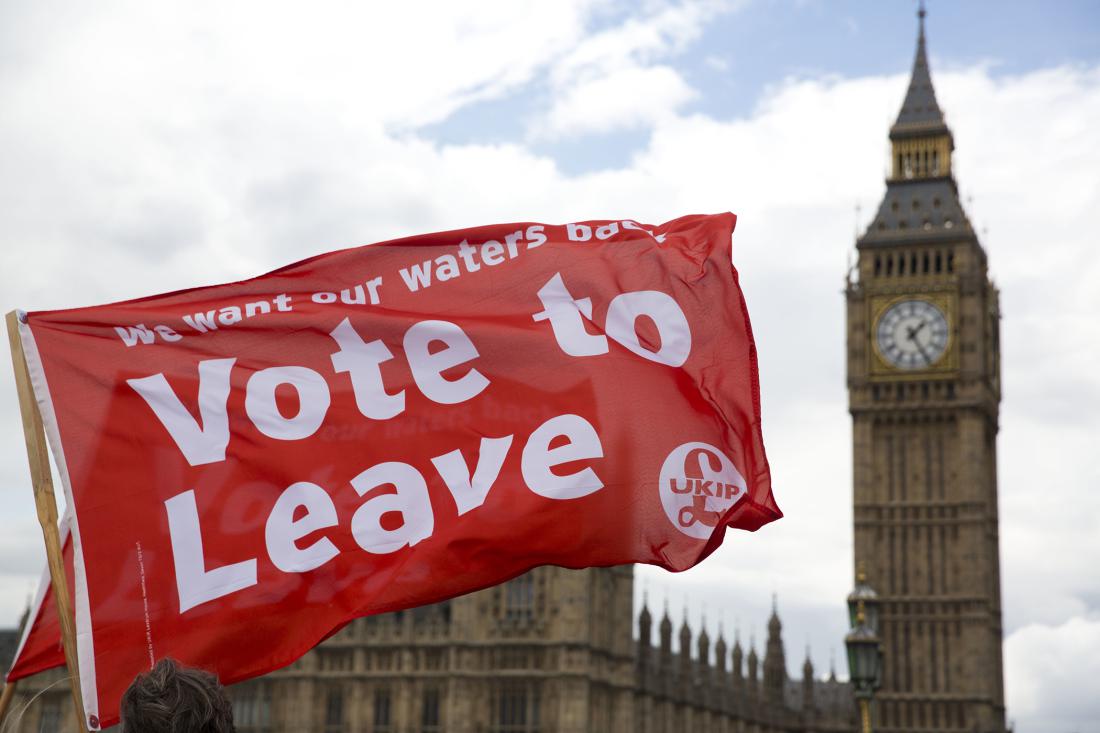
{"x":170,"y":698}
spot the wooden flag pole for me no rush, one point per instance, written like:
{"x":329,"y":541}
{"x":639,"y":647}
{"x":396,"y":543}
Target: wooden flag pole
{"x":46,"y":504}
{"x":5,"y":700}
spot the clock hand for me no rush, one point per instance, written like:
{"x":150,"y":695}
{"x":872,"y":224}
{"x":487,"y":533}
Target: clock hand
{"x":914,"y":331}
{"x":912,"y":336}
{"x":927,"y":358}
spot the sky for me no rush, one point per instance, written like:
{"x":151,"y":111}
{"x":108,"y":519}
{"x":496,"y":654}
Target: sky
{"x":151,"y":147}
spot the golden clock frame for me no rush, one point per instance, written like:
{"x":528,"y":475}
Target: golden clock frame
{"x":947,"y":302}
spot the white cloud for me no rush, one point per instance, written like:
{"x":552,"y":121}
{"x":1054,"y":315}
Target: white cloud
{"x":612,"y":80}
{"x":628,"y":98}
{"x":203,"y":151}
{"x":1049,"y":671}
{"x":717,"y":63}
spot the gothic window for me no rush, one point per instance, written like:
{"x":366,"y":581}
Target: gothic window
{"x":334,"y":712}
{"x":939,"y":262}
{"x":382,"y":711}
{"x":429,"y":711}
{"x":950,"y":261}
{"x":516,"y":709}
{"x":901,"y":265}
{"x":889,"y":266}
{"x":519,"y":597}
{"x":935,"y":163}
{"x":878,"y":265}
{"x":913,"y":264}
{"x":252,"y":709}
{"x":50,"y":718}
{"x":433,"y":658}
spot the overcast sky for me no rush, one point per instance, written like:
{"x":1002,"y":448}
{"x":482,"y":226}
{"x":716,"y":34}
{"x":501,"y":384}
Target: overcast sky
{"x":144,"y":149}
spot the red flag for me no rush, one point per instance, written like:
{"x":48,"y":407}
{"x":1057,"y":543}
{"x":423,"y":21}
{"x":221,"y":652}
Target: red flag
{"x":252,"y":465}
{"x":40,"y":646}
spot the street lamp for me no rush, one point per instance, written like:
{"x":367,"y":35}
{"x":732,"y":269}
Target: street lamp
{"x":866,"y":594}
{"x":864,"y":647}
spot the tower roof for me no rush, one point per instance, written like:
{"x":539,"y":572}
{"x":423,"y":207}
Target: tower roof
{"x":920,"y":112}
{"x":922,"y":199}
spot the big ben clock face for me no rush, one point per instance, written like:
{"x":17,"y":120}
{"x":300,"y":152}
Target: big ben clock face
{"x":912,"y":334}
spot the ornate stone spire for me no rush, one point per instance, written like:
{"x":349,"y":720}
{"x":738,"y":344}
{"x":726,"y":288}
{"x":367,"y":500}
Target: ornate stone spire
{"x":775,"y":660}
{"x":753,"y":663}
{"x":645,"y":633}
{"x":685,"y":644}
{"x":920,"y":112}
{"x":720,"y":650}
{"x":645,"y":623}
{"x":922,"y":198}
{"x":807,"y":683}
{"x":738,"y":660}
{"x":703,"y":644}
{"x":666,"y":636}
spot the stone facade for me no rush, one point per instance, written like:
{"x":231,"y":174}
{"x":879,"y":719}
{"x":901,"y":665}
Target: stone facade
{"x":553,"y":651}
{"x":924,"y":393}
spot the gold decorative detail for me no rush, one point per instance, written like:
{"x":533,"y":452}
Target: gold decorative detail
{"x":944,"y":367}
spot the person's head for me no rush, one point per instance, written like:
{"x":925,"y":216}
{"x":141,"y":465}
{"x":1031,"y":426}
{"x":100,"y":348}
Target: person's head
{"x":174,"y":699}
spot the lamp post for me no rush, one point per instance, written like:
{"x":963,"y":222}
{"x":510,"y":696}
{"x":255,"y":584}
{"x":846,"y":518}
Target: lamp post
{"x":864,"y":647}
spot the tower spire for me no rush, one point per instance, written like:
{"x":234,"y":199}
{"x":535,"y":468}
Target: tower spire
{"x":920,"y":112}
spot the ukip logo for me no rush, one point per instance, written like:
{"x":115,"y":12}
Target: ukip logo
{"x":699,"y":484}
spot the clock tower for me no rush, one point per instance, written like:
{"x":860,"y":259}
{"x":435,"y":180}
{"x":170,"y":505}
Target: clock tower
{"x":924,"y":394}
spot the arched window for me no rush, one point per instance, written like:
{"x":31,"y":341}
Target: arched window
{"x":519,"y":600}
{"x":334,"y":712}
{"x":382,"y":710}
{"x":429,"y":711}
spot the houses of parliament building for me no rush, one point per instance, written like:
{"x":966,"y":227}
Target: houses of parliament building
{"x":565,"y":651}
